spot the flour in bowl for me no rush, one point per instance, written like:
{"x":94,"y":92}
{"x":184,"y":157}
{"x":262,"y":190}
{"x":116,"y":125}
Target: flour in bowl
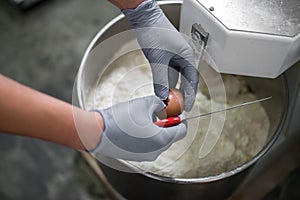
{"x":244,"y":130}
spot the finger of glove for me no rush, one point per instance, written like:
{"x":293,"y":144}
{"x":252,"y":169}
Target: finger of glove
{"x":173,"y":75}
{"x":175,"y":133}
{"x":189,"y":79}
{"x":129,"y":125}
{"x":189,"y":91}
{"x":160,"y":81}
{"x":159,"y":60}
{"x":154,"y":104}
{"x":133,"y":118}
{"x":189,"y":85}
{"x":140,"y":110}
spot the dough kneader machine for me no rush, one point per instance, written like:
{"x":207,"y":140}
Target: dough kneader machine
{"x":258,"y":38}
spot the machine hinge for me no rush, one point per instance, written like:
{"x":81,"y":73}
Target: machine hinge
{"x":199,"y":38}
{"x":199,"y":35}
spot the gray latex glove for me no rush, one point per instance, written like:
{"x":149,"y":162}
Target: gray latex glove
{"x":130,"y":134}
{"x":166,"y":50}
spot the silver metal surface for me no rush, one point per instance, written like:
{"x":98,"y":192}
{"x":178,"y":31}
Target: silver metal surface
{"x":151,"y":186}
{"x":278,"y":17}
{"x":229,"y":108}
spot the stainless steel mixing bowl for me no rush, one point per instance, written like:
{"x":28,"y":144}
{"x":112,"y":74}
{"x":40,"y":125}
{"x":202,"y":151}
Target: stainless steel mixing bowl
{"x":151,"y":186}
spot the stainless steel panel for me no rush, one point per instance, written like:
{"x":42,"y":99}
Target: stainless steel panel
{"x":278,"y":17}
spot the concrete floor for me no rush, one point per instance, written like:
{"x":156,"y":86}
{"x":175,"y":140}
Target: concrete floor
{"x":42,"y":48}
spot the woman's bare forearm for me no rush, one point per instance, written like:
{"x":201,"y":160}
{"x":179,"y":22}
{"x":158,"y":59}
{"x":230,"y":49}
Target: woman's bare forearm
{"x":27,"y":112}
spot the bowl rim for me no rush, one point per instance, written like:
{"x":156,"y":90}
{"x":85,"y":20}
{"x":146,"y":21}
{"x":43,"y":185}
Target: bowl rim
{"x":171,"y":179}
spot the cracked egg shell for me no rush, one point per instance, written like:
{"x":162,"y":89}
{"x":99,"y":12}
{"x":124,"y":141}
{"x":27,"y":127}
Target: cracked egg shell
{"x":174,"y":104}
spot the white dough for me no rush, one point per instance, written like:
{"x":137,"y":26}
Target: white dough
{"x":244,"y":133}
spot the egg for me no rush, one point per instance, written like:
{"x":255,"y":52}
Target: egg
{"x":174,"y":104}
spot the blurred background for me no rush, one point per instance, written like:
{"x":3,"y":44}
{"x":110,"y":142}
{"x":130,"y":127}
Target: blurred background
{"x":41,"y":44}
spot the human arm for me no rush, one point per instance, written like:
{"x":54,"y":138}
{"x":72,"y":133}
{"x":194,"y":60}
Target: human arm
{"x":27,"y":112}
{"x":125,"y":130}
{"x":167,"y":51}
{"x":130,"y":133}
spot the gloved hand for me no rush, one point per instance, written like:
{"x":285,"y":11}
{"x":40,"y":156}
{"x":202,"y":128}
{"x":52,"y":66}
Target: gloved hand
{"x":130,"y":134}
{"x":166,"y":50}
